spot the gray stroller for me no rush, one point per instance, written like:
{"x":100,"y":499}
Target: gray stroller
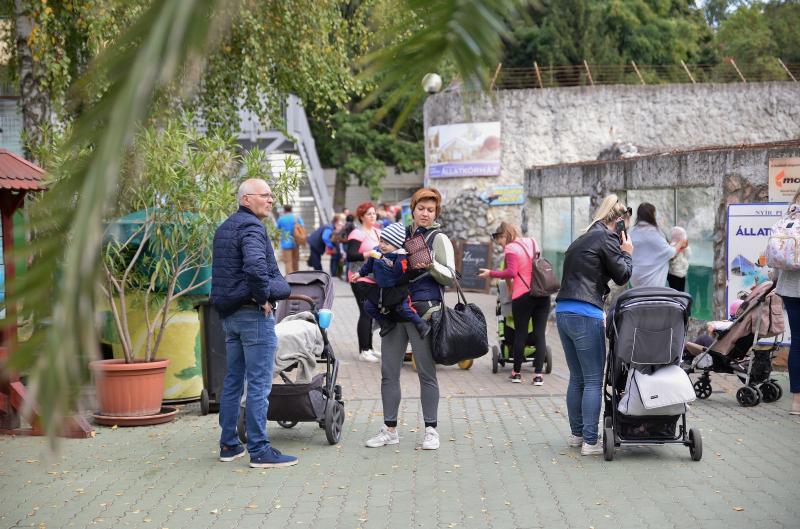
{"x":646,"y":330}
{"x":320,"y":400}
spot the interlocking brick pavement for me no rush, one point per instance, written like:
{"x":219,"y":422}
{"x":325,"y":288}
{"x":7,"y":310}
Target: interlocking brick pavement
{"x":503,"y":463}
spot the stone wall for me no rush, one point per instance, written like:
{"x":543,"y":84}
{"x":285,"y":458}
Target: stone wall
{"x":561,"y":125}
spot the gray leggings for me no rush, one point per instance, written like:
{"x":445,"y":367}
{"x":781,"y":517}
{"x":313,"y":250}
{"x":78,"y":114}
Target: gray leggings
{"x":393,"y":350}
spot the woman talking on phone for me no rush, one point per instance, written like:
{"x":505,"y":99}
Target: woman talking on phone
{"x":601,"y":254}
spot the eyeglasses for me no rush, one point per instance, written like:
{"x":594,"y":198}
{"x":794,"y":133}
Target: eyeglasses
{"x":262,"y":195}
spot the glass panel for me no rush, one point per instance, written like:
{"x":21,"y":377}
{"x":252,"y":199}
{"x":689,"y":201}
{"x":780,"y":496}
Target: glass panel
{"x":662,"y":199}
{"x":581,"y":215}
{"x":556,"y":229}
{"x":696,"y":213}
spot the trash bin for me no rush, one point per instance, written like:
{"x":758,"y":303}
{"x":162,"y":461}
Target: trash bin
{"x":213,"y":357}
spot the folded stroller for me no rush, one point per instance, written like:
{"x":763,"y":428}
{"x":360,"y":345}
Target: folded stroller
{"x":645,"y":391}
{"x":736,"y":350}
{"x":320,"y":400}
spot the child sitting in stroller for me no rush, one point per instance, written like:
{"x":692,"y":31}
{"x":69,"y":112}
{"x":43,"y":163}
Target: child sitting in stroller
{"x":389,"y":296}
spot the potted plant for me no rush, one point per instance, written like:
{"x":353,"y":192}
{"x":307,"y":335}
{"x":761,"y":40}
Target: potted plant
{"x":177,"y":186}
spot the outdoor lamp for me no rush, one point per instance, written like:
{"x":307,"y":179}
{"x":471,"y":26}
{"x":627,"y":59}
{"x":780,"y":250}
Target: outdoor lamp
{"x":432,"y":83}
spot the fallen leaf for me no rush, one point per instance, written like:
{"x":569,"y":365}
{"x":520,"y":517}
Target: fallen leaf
{"x":738,"y":509}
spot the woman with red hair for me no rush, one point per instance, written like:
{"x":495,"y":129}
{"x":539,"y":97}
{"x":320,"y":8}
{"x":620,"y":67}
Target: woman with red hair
{"x":425,"y":291}
{"x":360,"y":243}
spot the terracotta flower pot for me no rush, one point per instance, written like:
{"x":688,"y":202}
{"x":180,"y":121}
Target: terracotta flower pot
{"x":129,"y":390}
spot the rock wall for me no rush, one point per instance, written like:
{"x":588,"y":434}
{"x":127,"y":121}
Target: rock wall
{"x":562,"y":125}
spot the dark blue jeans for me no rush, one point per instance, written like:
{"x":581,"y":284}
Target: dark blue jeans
{"x":250,"y":344}
{"x":584,"y":342}
{"x":793,"y":311}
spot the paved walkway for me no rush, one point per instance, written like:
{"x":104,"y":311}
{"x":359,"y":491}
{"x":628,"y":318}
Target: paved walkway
{"x":502,"y":464}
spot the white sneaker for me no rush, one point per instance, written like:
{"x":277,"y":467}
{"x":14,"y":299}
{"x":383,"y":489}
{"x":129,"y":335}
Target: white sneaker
{"x":592,"y":450}
{"x":384,"y":437}
{"x":574,"y":441}
{"x":431,"y":441}
{"x":367,"y":356}
{"x":376,"y":354}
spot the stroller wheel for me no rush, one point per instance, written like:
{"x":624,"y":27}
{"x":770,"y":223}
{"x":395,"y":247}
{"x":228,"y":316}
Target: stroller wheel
{"x":608,"y":443}
{"x":241,"y":427}
{"x":287,"y":424}
{"x":334,"y":418}
{"x":702,"y":388}
{"x":695,"y":444}
{"x":495,"y":358}
{"x":748,"y":396}
{"x":770,"y":391}
{"x":204,"y":404}
{"x":548,"y":361}
{"x":608,"y":421}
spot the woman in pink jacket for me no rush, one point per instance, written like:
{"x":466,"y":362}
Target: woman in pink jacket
{"x":519,"y":253}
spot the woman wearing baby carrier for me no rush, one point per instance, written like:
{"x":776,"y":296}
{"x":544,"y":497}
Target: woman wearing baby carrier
{"x":601,"y":254}
{"x":519,"y":254}
{"x":426,"y":298}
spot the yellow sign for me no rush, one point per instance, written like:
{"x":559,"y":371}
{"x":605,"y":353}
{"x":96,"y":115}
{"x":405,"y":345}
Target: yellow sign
{"x":784,"y":179}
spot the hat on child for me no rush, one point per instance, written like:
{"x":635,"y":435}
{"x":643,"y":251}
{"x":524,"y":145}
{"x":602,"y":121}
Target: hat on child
{"x":394,"y":234}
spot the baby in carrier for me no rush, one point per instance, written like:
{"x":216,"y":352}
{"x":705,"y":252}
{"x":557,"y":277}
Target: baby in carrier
{"x":388,"y":301}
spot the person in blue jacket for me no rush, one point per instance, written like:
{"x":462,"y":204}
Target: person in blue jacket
{"x":289,"y":248}
{"x":246,"y":284}
{"x":319,"y":242}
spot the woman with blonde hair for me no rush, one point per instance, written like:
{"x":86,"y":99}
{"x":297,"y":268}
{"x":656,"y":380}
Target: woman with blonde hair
{"x":519,"y":254}
{"x":601,"y":254}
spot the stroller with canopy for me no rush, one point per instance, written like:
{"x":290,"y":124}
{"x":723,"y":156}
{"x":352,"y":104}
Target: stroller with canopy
{"x":645,"y":390}
{"x":735,"y":348}
{"x":319,"y":400}
{"x":502,"y":351}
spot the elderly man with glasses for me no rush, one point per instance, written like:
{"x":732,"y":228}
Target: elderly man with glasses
{"x":246,"y":284}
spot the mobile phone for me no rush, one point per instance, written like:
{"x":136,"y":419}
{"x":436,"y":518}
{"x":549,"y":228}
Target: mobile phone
{"x":620,"y":227}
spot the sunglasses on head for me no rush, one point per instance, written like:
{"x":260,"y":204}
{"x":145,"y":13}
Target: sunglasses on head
{"x":496,"y":235}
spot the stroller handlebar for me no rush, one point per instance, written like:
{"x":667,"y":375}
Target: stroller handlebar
{"x":301,"y":297}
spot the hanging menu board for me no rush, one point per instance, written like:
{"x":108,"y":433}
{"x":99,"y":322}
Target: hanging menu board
{"x":470,"y":258}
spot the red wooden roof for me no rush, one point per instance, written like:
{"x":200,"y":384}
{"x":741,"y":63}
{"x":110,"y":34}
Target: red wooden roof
{"x":18,"y":173}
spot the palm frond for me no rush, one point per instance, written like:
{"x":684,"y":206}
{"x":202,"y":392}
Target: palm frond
{"x":467,"y":33}
{"x":149,"y":56}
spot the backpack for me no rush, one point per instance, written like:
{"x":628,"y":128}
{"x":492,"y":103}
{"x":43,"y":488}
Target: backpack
{"x":299,"y":233}
{"x":783,"y":245}
{"x":543,"y":279}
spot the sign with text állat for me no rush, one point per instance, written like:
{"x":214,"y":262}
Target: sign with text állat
{"x":749,"y":226}
{"x":784,"y":179}
{"x":470,"y":258}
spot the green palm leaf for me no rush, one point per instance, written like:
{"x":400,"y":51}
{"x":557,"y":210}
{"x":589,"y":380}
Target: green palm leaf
{"x":150,"y":55}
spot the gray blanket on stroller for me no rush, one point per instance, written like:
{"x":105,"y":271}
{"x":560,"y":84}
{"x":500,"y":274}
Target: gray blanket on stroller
{"x":299,"y":341}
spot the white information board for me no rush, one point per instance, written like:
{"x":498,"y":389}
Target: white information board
{"x":749,"y":226}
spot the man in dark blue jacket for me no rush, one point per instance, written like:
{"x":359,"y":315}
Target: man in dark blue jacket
{"x":245,"y":287}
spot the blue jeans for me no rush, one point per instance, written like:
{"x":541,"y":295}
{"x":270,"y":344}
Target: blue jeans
{"x":250,"y":344}
{"x":793,"y":311}
{"x":584,"y":342}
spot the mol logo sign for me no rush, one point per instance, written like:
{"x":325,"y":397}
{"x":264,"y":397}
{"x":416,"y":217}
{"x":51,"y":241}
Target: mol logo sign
{"x":784,"y":179}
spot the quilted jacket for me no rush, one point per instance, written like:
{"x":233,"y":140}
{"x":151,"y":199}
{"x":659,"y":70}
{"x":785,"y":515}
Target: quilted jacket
{"x":243,"y":266}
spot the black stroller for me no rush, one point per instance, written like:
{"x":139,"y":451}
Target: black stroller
{"x":646,"y":331}
{"x":320,"y":400}
{"x":736,"y":349}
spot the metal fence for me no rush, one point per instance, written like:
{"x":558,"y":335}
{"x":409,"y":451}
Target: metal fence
{"x":540,"y":76}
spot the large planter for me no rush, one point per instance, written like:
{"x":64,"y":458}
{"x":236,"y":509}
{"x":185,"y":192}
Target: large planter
{"x":129,"y":390}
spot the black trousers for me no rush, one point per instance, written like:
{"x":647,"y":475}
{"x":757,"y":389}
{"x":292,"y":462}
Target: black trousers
{"x":364,"y":325}
{"x":678,"y":283}
{"x":523,"y":309}
{"x":314,"y":259}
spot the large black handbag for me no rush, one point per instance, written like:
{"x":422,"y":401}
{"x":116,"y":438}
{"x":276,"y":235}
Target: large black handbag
{"x":458,"y":333}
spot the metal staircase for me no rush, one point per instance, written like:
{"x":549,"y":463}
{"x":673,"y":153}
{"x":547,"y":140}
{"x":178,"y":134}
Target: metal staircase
{"x":297,"y":140}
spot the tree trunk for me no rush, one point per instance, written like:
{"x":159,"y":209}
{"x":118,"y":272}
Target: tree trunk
{"x":340,"y":191}
{"x":34,"y":99}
